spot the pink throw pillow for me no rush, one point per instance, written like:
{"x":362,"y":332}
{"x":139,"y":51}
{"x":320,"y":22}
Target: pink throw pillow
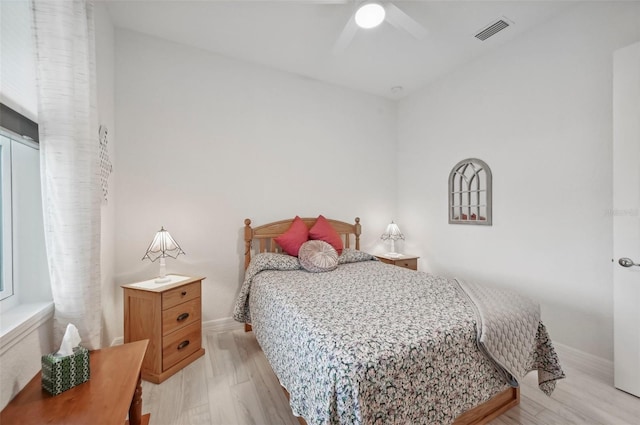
{"x":291,"y":240}
{"x":323,"y":231}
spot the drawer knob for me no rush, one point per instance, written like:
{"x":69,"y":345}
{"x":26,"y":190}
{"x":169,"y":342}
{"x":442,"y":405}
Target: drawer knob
{"x":182,"y":317}
{"x":183,"y":344}
{"x":184,"y":293}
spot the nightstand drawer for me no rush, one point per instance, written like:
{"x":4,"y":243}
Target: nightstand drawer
{"x":181,"y":344}
{"x":181,"y":315}
{"x":408,"y":264}
{"x":179,"y":295}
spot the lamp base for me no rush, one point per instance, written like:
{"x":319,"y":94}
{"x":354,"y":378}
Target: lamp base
{"x":393,"y":254}
{"x":162,"y":276}
{"x":163,"y":279}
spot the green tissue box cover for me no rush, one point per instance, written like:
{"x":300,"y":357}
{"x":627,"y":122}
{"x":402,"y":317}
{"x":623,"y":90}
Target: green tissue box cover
{"x":62,"y":373}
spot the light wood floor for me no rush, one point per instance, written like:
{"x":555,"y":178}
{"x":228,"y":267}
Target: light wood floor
{"x":233,"y":385}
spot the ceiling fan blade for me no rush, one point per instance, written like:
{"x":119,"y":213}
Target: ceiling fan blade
{"x":401,"y":20}
{"x":347,"y":34}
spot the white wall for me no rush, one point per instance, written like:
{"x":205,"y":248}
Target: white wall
{"x":105,"y":76}
{"x":206,"y":141}
{"x":539,"y":112}
{"x":17,"y":61}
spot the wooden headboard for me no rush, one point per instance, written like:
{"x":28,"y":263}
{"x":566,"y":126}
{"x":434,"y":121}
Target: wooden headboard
{"x":265,"y":234}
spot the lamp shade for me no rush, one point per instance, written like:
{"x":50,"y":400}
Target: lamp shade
{"x":392,"y":233}
{"x":162,"y":246}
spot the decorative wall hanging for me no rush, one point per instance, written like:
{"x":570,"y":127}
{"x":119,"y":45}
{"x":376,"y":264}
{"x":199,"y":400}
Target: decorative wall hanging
{"x":470,"y":193}
{"x":105,"y":164}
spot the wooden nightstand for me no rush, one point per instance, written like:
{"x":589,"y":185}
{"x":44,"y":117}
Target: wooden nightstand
{"x":169,"y":315}
{"x":406,"y":261}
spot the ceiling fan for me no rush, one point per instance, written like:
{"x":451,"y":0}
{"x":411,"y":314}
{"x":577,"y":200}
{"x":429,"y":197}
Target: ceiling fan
{"x":370,"y":14}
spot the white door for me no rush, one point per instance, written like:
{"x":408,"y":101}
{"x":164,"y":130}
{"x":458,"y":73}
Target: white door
{"x":626,"y":218}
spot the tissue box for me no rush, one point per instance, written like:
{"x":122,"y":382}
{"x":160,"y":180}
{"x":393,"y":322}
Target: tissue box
{"x":62,"y":373}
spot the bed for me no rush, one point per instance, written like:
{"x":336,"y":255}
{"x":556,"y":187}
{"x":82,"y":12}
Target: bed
{"x":371,"y":343}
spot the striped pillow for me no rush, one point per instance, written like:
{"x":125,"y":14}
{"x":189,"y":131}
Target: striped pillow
{"x":318,"y":256}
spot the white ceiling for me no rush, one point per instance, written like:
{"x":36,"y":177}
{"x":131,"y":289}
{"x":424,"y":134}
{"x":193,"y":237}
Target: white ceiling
{"x":298,"y":36}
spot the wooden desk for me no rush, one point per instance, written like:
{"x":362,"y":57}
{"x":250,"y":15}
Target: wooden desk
{"x":113,"y":390}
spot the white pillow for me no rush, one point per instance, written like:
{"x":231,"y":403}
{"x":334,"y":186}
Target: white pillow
{"x":318,"y":256}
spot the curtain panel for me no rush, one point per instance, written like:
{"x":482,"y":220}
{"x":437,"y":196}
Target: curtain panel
{"x":69,"y":159}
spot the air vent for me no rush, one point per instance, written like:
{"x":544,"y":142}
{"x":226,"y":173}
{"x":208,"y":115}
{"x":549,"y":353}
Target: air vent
{"x":492,"y":29}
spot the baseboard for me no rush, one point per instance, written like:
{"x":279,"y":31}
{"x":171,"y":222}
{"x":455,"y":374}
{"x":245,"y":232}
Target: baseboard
{"x":221,"y":325}
{"x":597,"y":360}
{"x":588,"y":362}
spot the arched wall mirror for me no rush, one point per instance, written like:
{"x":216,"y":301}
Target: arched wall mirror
{"x":470,"y":193}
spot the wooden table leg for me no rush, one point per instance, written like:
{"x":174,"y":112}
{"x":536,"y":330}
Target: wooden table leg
{"x":135,"y":411}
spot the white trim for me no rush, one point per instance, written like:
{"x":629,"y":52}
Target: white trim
{"x":589,"y":363}
{"x":6,"y":215}
{"x":221,"y":325}
{"x":25,"y":140}
{"x":593,"y":359}
{"x":19,"y":321}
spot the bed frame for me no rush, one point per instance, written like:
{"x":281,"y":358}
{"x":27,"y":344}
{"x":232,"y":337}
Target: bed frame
{"x":265,"y":236}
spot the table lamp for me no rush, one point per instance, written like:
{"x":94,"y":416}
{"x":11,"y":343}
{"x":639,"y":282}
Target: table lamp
{"x":392,"y":233}
{"x":162,"y":246}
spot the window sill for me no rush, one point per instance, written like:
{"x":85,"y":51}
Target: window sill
{"x":18,"y":321}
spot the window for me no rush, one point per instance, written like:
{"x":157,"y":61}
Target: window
{"x":24,"y":273}
{"x":470,"y":193}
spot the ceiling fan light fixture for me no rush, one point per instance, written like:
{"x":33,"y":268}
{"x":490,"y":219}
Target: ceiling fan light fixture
{"x":370,"y":15}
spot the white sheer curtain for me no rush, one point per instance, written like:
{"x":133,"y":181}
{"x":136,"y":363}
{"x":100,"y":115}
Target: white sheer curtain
{"x":69,"y":158}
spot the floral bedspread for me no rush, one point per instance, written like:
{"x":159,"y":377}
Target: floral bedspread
{"x":370,"y":343}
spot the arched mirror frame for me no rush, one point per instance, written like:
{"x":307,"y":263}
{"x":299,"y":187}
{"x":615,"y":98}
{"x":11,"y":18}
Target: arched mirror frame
{"x":470,"y":193}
